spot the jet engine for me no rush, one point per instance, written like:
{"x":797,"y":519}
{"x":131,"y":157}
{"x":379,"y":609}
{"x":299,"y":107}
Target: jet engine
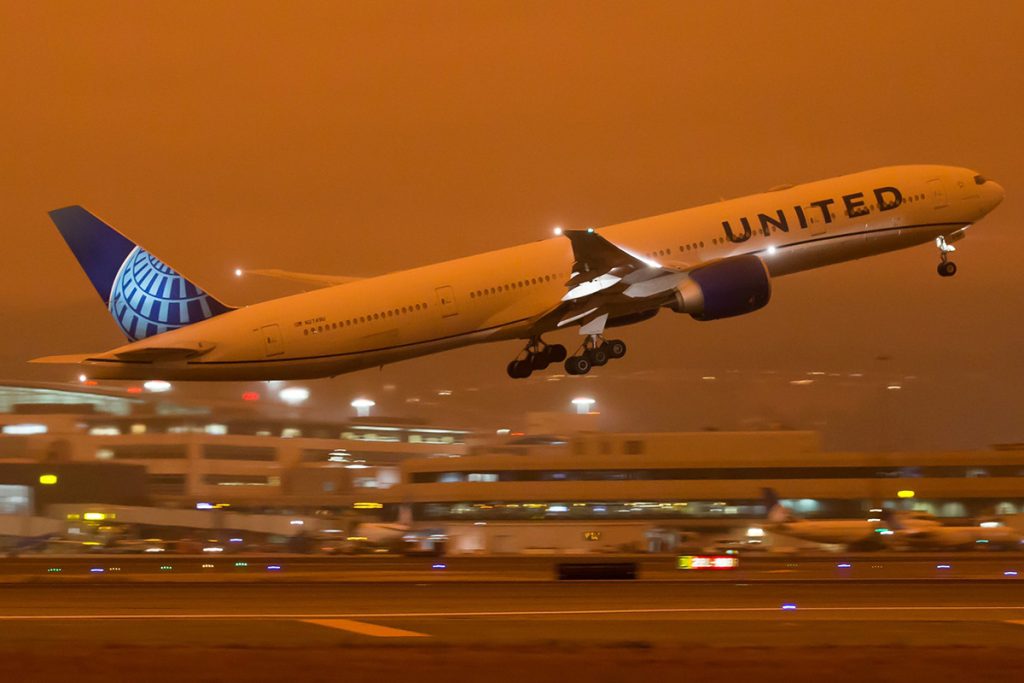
{"x":723,"y":289}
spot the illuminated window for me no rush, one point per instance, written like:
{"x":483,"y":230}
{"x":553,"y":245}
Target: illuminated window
{"x":24,"y":429}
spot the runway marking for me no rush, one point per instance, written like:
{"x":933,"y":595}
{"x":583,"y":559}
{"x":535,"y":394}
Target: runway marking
{"x":517,"y":613}
{"x":365,"y":629}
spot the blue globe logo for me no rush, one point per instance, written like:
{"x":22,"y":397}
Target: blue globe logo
{"x":149,"y":297}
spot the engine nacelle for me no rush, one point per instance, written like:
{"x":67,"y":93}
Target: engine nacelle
{"x":730,"y":287}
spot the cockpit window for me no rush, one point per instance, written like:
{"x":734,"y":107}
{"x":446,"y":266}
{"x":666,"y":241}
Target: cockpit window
{"x":979,"y":180}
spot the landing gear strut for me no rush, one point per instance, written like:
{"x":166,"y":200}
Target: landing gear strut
{"x":536,"y":356}
{"x":946,"y":267}
{"x":595,"y":352}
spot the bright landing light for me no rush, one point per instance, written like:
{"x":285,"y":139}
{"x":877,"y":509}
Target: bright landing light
{"x":362,"y":406}
{"x":557,"y":230}
{"x":583,"y":404}
{"x":294,"y":395}
{"x":157,"y":386}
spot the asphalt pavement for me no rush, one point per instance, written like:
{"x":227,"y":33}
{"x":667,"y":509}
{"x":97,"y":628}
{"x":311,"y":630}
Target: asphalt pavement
{"x":734,"y":613}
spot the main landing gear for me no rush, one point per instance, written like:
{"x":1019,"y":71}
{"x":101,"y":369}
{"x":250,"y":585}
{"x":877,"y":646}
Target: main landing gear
{"x":538,"y":356}
{"x":595,"y":352}
{"x":946,"y":267}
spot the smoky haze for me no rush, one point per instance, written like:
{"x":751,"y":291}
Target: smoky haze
{"x":363,"y":138}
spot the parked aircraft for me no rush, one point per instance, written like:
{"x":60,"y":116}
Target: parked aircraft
{"x":964,"y":537}
{"x":849,"y":532}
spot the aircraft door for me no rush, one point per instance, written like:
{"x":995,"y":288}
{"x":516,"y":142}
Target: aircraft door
{"x":446,"y":300}
{"x":937,"y":193}
{"x":272,"y":343}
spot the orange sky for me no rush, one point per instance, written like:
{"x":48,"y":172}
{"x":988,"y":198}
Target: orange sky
{"x":359,"y":138}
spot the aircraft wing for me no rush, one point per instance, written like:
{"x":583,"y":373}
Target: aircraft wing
{"x":308,"y":278}
{"x":608,"y":281}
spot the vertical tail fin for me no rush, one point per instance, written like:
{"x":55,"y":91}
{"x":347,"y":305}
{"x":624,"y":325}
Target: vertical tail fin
{"x":892,"y":520}
{"x":405,"y":514}
{"x":773,"y":506}
{"x":145,"y":296}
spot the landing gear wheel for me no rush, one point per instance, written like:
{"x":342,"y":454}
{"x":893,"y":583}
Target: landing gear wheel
{"x":597,"y":356}
{"x":555,"y":353}
{"x":520,"y":369}
{"x":577,"y":365}
{"x":947,"y":269}
{"x":615,"y":348}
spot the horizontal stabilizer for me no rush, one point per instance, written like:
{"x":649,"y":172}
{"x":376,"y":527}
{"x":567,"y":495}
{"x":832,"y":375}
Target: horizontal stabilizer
{"x":68,"y":359}
{"x":145,"y":354}
{"x":157,"y":354}
{"x":310,"y":278}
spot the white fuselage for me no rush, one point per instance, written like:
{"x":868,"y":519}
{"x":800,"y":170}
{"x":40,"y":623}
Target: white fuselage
{"x":847,"y":531}
{"x":503,"y":294}
{"x":959,"y":537}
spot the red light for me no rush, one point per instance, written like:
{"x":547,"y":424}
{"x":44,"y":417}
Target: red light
{"x":707,"y":562}
{"x":250,"y":396}
{"x":134,"y":390}
{"x":90,"y":382}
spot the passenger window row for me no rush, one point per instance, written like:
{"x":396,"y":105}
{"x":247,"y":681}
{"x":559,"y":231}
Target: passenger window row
{"x":486,"y":291}
{"x":370,"y":317}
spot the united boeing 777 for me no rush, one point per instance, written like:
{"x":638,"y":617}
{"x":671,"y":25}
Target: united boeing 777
{"x":709,"y":262}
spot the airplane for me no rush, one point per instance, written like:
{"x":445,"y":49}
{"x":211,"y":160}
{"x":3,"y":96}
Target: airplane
{"x":710,"y":262}
{"x":939,"y":537}
{"x":390,"y":536}
{"x":862,"y":533}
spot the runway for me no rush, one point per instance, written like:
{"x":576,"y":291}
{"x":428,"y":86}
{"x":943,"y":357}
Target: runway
{"x":522,"y":613}
{"x":541,"y":631}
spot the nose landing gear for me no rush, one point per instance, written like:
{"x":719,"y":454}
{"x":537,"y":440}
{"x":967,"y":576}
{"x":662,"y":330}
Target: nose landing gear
{"x":946,"y":267}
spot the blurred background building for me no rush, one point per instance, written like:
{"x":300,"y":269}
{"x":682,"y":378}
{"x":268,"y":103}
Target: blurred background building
{"x":68,"y":450}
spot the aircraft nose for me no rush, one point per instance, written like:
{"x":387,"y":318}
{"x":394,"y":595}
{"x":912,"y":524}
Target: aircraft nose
{"x":992,"y":193}
{"x":996,"y":191}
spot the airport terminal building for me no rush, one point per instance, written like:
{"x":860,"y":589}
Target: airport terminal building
{"x":490,"y":493}
{"x":649,"y":491}
{"x":233,"y":454}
